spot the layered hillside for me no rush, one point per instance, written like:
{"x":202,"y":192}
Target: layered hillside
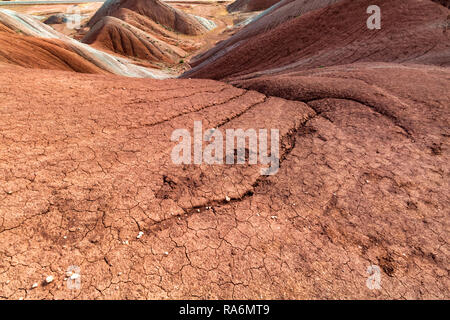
{"x":88,"y":180}
{"x":120,"y":37}
{"x":279,"y":13}
{"x":27,"y":42}
{"x":157,"y":11}
{"x":41,"y":53}
{"x":412,"y":31}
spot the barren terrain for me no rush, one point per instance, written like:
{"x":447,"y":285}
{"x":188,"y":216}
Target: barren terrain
{"x":87,"y":179}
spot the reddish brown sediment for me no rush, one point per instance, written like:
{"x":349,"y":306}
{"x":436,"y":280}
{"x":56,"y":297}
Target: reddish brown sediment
{"x":120,"y":37}
{"x":159,"y":12}
{"x":155,"y":29}
{"x":51,"y":49}
{"x":412,"y":31}
{"x":4,"y":28}
{"x":151,"y":31}
{"x":42,"y":53}
{"x":445,"y":3}
{"x":250,"y":5}
{"x":85,"y":166}
{"x":87,"y":179}
{"x":281,"y":12}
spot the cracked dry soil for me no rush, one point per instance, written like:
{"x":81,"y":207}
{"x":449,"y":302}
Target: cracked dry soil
{"x":364,"y":179}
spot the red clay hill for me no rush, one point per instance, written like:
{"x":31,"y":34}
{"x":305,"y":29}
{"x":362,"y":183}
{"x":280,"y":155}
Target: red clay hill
{"x":32,"y":52}
{"x":120,"y":37}
{"x":412,"y":31}
{"x":159,"y":12}
{"x":279,"y":13}
{"x":109,"y":38}
{"x":148,"y":30}
{"x":87,"y":179}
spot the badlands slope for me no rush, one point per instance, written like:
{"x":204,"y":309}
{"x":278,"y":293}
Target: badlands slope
{"x":281,"y":12}
{"x":85,"y":167}
{"x":149,"y":30}
{"x":120,"y":37}
{"x":159,"y":12}
{"x":250,"y":5}
{"x":27,"y":42}
{"x":87,"y":180}
{"x":130,"y":38}
{"x":412,"y":31}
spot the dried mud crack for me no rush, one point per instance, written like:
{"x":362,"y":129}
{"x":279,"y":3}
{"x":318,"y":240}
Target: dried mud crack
{"x":87,"y":181}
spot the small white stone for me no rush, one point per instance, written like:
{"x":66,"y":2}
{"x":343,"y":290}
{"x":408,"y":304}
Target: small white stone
{"x":125,"y":242}
{"x":166,"y":253}
{"x":74,"y":276}
{"x":65,"y":237}
{"x":198,"y":210}
{"x":227,"y":198}
{"x":140,"y":234}
{"x":35,"y":285}
{"x":274,"y":217}
{"x":49,"y":279}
